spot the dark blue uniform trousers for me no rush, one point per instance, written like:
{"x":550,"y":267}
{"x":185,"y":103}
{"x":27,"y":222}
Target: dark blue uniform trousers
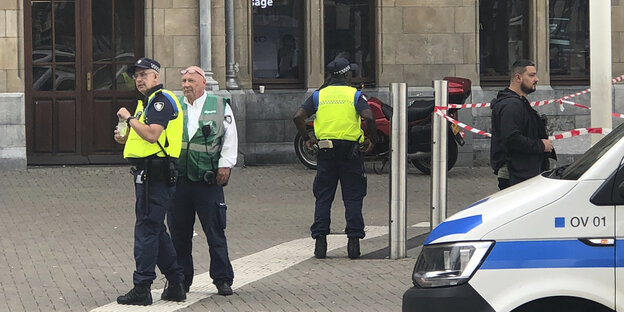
{"x":350,"y":173}
{"x":152,"y":244}
{"x":208,"y":202}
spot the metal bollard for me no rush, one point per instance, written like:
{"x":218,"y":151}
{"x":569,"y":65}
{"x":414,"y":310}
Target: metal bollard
{"x":398,"y":174}
{"x":438,"y":156}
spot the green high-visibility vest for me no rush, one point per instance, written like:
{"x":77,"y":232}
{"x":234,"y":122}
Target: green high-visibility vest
{"x":200,"y":154}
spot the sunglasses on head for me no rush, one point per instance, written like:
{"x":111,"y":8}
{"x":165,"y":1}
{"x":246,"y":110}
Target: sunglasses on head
{"x":192,"y":71}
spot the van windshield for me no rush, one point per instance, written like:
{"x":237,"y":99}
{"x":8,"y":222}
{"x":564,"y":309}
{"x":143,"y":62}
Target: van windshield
{"x":577,"y":168}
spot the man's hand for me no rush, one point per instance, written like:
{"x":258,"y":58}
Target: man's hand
{"x":118,"y":138}
{"x":223,"y":176}
{"x":548,"y":147}
{"x":123,"y":113}
{"x":368,"y":146}
{"x":310,"y":143}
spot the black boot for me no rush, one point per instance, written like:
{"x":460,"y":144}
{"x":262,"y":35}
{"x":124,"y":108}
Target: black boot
{"x":173,"y":292}
{"x":320,"y":248}
{"x":224,"y":289}
{"x":353,"y":247}
{"x":139,"y":295}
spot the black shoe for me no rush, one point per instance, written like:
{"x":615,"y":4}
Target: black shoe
{"x":353,"y":247}
{"x":320,"y":248}
{"x":173,"y":292}
{"x":224,"y":289}
{"x":139,"y":295}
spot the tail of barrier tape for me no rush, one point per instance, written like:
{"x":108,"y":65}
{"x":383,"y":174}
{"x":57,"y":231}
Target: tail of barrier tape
{"x":564,"y":100}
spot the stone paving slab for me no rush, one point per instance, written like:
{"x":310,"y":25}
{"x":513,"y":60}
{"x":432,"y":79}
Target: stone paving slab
{"x":66,"y":239}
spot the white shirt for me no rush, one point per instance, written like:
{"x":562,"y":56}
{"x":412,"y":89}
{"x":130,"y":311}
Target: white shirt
{"x":229,"y":151}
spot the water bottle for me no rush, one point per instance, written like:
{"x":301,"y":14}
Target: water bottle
{"x":122,"y":127}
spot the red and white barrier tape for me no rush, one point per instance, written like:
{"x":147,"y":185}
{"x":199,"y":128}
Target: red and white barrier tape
{"x":463,"y":125}
{"x":577,"y":132}
{"x":564,"y":135}
{"x":537,"y":103}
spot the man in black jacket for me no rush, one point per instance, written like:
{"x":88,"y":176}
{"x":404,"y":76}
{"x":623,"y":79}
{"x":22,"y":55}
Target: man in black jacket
{"x":519,"y":145}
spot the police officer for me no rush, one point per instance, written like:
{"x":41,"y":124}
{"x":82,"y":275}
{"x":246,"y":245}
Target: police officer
{"x":152,"y":147}
{"x":338,"y":132}
{"x":209,"y":151}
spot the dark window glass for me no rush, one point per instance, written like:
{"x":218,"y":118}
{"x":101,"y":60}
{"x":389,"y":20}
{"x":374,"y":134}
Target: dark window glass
{"x":64,"y":31}
{"x":278,"y":41}
{"x":102,"y":30}
{"x":503,"y":38}
{"x":54,"y":45}
{"x":349,"y":33}
{"x":42,"y":31}
{"x":569,"y":41}
{"x":42,"y":78}
{"x":65,"y":78}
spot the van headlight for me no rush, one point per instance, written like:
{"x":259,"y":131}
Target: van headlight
{"x":449,"y":264}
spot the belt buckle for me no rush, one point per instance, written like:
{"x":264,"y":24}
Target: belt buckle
{"x":324,"y":144}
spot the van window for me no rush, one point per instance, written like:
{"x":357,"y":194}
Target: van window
{"x":577,"y":168}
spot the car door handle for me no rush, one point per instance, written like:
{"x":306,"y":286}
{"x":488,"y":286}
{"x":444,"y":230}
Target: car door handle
{"x":598,"y":241}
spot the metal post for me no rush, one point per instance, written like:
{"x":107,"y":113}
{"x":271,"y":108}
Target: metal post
{"x":398,"y":175}
{"x":230,"y":62}
{"x":205,"y":43}
{"x":438,"y":156}
{"x":600,"y":60}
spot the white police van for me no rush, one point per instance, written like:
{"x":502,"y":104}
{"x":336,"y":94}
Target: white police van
{"x":552,"y":243}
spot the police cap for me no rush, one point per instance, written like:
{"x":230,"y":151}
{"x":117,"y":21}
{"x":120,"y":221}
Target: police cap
{"x":340,"y":65}
{"x":146,"y":63}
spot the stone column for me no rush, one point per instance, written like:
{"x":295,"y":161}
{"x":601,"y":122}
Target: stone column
{"x":539,"y":39}
{"x":205,"y":42}
{"x":230,"y":71}
{"x":315,"y":68}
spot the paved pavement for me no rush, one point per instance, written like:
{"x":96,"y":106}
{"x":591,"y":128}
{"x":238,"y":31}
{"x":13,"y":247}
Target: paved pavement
{"x":66,"y":240}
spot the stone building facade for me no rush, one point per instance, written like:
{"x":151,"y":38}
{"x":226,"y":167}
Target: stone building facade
{"x":413,"y":41}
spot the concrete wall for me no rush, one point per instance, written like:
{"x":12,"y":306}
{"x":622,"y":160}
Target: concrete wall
{"x":12,"y":117}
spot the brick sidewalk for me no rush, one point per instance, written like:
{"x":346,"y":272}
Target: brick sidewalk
{"x":66,"y":235}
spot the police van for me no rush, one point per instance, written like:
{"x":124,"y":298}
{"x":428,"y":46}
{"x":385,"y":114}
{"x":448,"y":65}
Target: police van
{"x":551,"y":243}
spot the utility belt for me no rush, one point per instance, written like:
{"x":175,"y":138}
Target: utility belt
{"x":160,"y":169}
{"x":334,"y":148}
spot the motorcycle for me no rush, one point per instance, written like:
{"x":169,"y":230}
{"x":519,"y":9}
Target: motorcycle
{"x":419,"y":117}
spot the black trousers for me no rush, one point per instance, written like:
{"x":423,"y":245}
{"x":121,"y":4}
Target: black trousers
{"x":152,"y":244}
{"x":208,"y":202}
{"x":349,"y":170}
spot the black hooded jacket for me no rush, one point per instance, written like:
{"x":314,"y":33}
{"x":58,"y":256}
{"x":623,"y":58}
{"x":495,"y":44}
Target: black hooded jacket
{"x":517,"y":131}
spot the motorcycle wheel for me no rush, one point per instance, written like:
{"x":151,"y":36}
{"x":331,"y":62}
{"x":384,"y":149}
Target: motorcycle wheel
{"x":306,"y":156}
{"x":424,"y":164}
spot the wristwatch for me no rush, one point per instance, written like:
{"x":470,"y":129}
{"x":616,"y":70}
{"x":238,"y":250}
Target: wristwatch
{"x":128,"y":120}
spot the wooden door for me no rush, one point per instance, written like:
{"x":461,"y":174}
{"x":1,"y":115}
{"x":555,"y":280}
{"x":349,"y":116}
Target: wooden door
{"x":77,"y":56}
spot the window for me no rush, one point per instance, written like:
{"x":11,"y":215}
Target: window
{"x":503,"y":38}
{"x":278,"y":43}
{"x":569,"y":41}
{"x":349,"y":33}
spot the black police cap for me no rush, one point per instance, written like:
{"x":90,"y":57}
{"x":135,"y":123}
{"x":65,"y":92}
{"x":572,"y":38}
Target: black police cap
{"x":146,"y":63}
{"x":340,"y":65}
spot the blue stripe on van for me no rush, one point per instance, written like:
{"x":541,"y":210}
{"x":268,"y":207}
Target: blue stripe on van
{"x":549,"y":254}
{"x":458,"y":226}
{"x":619,"y":253}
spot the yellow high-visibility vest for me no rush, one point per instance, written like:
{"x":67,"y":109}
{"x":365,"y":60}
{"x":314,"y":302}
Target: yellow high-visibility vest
{"x":336,"y":117}
{"x":170,"y":139}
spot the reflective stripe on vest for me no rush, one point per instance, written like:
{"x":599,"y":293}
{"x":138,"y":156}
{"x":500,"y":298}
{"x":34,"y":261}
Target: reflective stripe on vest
{"x":201,"y":154}
{"x":336,"y":117}
{"x":170,"y":139}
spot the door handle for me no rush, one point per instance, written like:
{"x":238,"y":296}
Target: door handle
{"x":89,"y":84}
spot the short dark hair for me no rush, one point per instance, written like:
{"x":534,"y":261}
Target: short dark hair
{"x":519,"y":67}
